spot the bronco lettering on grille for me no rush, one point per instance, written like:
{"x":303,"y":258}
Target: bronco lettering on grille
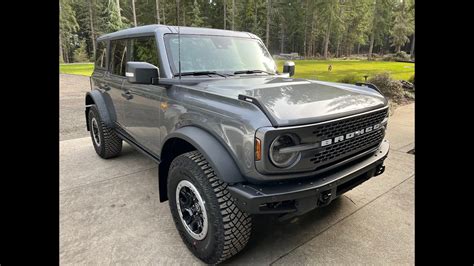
{"x":347,"y":136}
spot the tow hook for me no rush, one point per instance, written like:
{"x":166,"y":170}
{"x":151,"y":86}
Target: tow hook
{"x":379,"y":170}
{"x":324,"y":198}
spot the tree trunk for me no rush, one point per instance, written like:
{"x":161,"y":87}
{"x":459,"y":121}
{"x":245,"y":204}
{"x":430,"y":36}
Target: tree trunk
{"x":398,"y":48}
{"x":305,"y":28}
{"x":119,"y":11}
{"x":371,"y":47}
{"x":282,"y":43}
{"x":326,"y":40}
{"x":267,"y":30}
{"x":91,"y":18}
{"x":157,"y":11}
{"x":255,"y":25}
{"x":233,"y":14}
{"x":164,"y":12}
{"x":412,"y":50}
{"x":177,"y":12}
{"x":60,"y":47}
{"x":225,"y":14}
{"x":358,"y":48}
{"x":60,"y":40}
{"x":184,"y":14}
{"x":66,"y":54}
{"x":134,"y":13}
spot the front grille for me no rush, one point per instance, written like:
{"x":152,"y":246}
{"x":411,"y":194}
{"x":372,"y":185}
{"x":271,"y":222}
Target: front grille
{"x":340,"y":150}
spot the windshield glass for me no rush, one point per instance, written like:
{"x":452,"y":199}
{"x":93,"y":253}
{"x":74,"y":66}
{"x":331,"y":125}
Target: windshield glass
{"x":221,"y":54}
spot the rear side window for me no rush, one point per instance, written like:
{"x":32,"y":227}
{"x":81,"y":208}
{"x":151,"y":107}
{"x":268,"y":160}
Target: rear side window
{"x":101,"y":55}
{"x":144,"y":49}
{"x":118,"y":57}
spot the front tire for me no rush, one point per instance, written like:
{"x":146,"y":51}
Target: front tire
{"x":106,"y":142}
{"x":208,"y":221}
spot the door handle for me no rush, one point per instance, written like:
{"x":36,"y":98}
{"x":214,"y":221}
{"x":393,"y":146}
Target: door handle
{"x":127,"y":95}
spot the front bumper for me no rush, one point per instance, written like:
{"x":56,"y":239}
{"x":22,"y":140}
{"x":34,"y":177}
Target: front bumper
{"x":304,"y":195}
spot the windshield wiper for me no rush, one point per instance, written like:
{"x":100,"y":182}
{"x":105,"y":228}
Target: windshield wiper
{"x":201,"y":73}
{"x":252,"y":72}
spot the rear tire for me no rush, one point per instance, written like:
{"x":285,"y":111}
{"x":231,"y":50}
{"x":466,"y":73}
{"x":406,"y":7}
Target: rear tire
{"x":106,"y":142}
{"x":224,"y":229}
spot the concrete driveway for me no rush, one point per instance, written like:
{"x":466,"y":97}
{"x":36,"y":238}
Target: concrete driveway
{"x":110,"y":212}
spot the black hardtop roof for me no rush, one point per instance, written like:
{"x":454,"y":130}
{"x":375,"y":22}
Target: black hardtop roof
{"x":150,"y":29}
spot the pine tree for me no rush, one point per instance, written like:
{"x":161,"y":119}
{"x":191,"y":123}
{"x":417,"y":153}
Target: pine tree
{"x":401,"y":27}
{"x":196,"y":18}
{"x":68,"y":27}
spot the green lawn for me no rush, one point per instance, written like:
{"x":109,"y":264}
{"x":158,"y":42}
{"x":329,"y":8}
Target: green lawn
{"x":84,"y":69}
{"x":312,"y":69}
{"x":318,"y":69}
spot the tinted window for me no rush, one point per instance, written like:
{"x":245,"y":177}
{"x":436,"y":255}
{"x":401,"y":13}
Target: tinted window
{"x":101,"y":54}
{"x":144,"y":50}
{"x":118,"y":57}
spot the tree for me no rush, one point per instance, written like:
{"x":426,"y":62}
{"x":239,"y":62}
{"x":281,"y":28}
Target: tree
{"x":330,"y":12}
{"x":315,"y":28}
{"x":380,"y":23}
{"x":225,"y":14}
{"x":91,"y":17}
{"x":177,"y":12}
{"x":80,"y":54}
{"x":196,"y":19}
{"x":157,"y":11}
{"x":119,"y":11}
{"x":356,"y":24}
{"x":401,"y":27}
{"x":134,"y":13}
{"x":233,"y":14}
{"x":68,"y":27}
{"x":110,"y":18}
{"x":247,"y":19}
{"x":267,"y":28}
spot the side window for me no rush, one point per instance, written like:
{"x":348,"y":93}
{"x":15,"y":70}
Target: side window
{"x":118,"y":57}
{"x":101,"y":55}
{"x":144,"y":49}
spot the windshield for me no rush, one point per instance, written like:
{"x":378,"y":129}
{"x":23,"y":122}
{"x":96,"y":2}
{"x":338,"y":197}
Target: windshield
{"x":221,"y":54}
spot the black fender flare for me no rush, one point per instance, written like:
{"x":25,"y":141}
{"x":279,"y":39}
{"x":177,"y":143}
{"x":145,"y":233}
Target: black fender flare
{"x":102,"y":102}
{"x":214,"y":152}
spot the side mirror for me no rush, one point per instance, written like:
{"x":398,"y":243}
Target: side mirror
{"x":142,"y":73}
{"x":289,"y":67}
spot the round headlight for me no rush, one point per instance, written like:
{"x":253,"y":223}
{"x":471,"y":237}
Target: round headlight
{"x":283,"y":160}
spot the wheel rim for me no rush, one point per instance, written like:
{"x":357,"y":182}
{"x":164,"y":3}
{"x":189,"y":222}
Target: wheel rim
{"x":191,"y":210}
{"x":95,"y":132}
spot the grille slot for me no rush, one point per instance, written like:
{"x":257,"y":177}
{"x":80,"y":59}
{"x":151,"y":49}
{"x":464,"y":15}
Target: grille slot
{"x":351,"y":146}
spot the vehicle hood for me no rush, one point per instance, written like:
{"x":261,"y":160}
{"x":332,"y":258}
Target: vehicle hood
{"x":288,"y":101}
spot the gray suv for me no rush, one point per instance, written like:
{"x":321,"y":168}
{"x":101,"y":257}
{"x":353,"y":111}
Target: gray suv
{"x":233,"y":137}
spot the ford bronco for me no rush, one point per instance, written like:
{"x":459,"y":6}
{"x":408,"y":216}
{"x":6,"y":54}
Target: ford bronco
{"x":233,"y":137}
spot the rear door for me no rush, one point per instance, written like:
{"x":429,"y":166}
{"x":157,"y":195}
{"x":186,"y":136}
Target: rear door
{"x":100,"y":67}
{"x":116,"y":76}
{"x":142,"y":110}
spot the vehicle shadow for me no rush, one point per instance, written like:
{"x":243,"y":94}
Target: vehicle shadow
{"x":272,"y":238}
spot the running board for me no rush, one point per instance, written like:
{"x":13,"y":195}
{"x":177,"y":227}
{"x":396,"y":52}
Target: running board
{"x":137,"y":146}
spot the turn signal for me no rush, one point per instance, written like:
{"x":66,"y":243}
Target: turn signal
{"x":258,"y":149}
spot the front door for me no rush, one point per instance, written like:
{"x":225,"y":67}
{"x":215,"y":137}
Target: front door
{"x":142,"y":109}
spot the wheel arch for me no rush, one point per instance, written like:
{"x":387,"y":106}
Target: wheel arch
{"x":103,"y":104}
{"x":193,"y":138}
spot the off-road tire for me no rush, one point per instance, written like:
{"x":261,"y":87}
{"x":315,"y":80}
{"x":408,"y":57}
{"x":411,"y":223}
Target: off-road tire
{"x":229,"y":228}
{"x":110,"y":144}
